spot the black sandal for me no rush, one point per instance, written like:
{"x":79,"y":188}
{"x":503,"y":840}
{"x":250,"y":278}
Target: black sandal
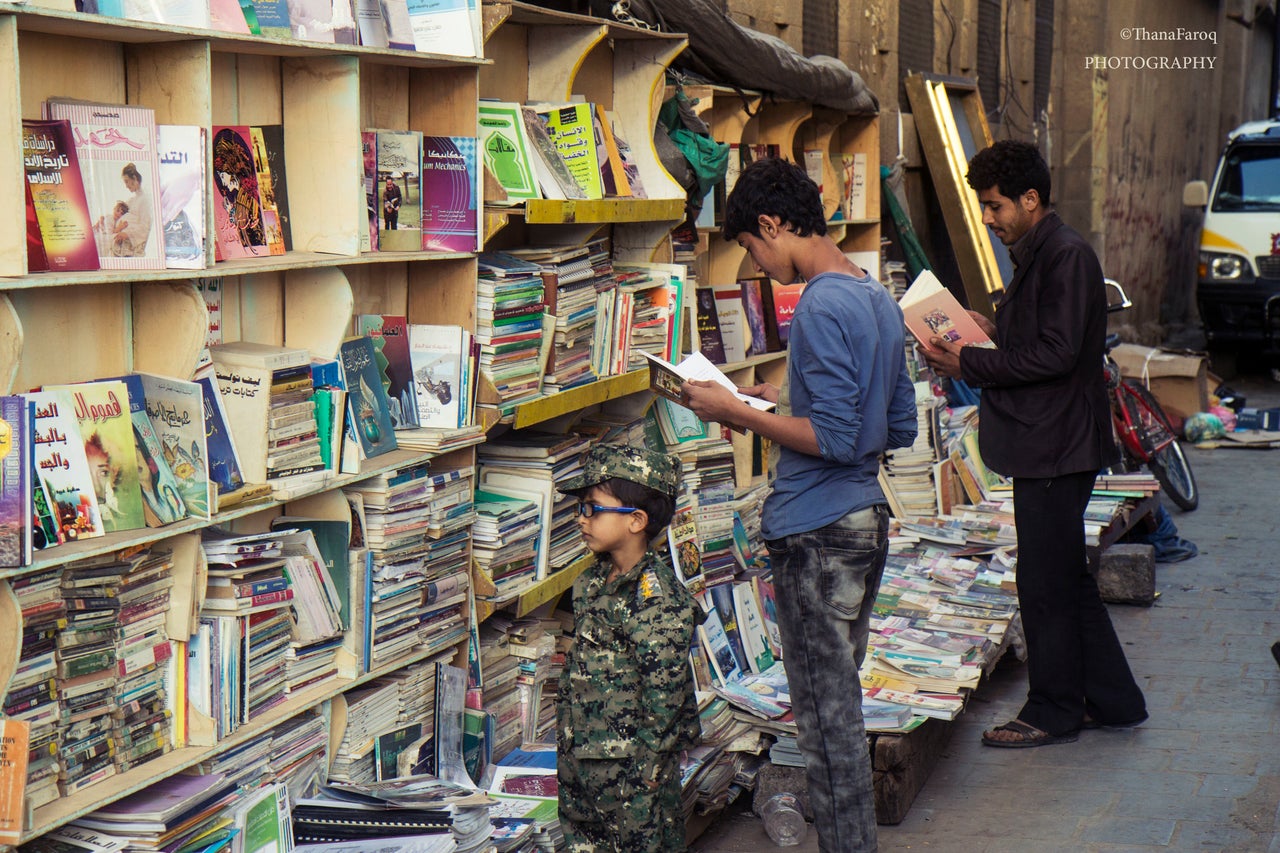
{"x":1028,"y":736}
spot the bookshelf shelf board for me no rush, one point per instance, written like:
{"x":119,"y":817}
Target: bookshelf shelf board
{"x":112,"y":542}
{"x":608,"y":388}
{"x":552,"y":586}
{"x":43,"y":19}
{"x":545,"y":211}
{"x":66,"y":809}
{"x":515,"y":12}
{"x":864,"y":221}
{"x":754,"y":361}
{"x":247,"y":266}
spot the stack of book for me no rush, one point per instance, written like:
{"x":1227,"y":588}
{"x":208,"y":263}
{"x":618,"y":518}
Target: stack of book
{"x":509,"y":326}
{"x":268,"y":394}
{"x":907,"y":475}
{"x":33,"y":691}
{"x":569,"y":284}
{"x":500,"y":689}
{"x":174,"y":811}
{"x":417,"y":527}
{"x":369,"y":711}
{"x":113,"y":686}
{"x":606,"y":285}
{"x":505,"y":542}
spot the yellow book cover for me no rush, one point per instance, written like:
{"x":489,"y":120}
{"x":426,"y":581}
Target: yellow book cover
{"x":14,"y":739}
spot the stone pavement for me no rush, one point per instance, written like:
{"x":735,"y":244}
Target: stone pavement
{"x":1202,"y":774}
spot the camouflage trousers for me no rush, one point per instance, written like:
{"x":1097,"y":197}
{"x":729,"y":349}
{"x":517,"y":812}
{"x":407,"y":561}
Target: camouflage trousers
{"x":605,"y":806}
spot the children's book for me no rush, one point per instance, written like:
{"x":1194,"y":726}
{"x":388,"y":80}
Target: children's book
{"x":237,"y":206}
{"x":162,"y":501}
{"x":116,"y":148}
{"x":368,"y":410}
{"x":399,"y":188}
{"x":58,"y":197}
{"x":106,"y":428}
{"x":572,"y":131}
{"x":271,"y":228}
{"x":177,"y":411}
{"x":450,"y":193}
{"x":504,"y":147}
{"x":182,"y":195}
{"x":16,"y":506}
{"x":61,"y":465}
{"x":930,"y":311}
{"x":438,"y":355}
{"x":390,"y":335}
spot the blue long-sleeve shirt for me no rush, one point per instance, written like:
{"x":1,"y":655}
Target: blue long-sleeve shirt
{"x":846,"y":373}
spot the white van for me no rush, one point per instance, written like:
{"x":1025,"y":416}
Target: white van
{"x":1238,"y":277}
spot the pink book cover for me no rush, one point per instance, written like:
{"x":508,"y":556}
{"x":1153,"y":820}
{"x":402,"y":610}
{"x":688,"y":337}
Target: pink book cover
{"x":449,"y":191}
{"x":785,"y":299}
{"x":226,"y":15}
{"x":64,"y":236}
{"x":238,"y":226}
{"x":120,"y":168}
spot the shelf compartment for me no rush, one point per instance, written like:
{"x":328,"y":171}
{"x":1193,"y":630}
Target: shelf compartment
{"x":66,"y":809}
{"x":113,"y":542}
{"x":543,"y":211}
{"x":575,"y":399}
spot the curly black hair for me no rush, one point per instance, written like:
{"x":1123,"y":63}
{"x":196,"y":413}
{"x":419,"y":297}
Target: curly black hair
{"x":1012,"y":167}
{"x":774,"y":187}
{"x":658,"y":506}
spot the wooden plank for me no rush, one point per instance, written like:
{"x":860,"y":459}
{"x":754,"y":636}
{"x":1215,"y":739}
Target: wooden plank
{"x":72,"y":334}
{"x":443,"y":292}
{"x":10,"y":344}
{"x":170,"y":322}
{"x":173,"y":79}
{"x":555,"y":55}
{"x":780,"y":122}
{"x":565,"y":211}
{"x":576,"y":399}
{"x":639,"y":72}
{"x":258,"y":312}
{"x":379,"y":290}
{"x":55,"y":66}
{"x":325,"y":167}
{"x":508,"y":78}
{"x":384,"y":97}
{"x":553,"y":586}
{"x":317,"y":310}
{"x":13,"y":223}
{"x":442,"y":101}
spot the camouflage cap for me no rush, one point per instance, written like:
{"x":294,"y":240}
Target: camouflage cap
{"x":658,"y":471}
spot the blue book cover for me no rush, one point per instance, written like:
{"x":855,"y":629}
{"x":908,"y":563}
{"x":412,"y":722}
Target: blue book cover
{"x":368,"y":408}
{"x":224,"y":462}
{"x":273,"y":18}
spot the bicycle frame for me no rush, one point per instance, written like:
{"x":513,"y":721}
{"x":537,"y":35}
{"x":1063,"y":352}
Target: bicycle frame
{"x":1131,"y":432}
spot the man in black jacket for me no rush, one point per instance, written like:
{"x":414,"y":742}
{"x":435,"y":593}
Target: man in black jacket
{"x":1045,"y":422}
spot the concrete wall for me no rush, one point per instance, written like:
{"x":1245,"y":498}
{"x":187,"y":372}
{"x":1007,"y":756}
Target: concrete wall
{"x":1121,"y":140}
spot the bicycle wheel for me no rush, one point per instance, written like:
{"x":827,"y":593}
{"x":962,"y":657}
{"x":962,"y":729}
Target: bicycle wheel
{"x":1166,"y":459}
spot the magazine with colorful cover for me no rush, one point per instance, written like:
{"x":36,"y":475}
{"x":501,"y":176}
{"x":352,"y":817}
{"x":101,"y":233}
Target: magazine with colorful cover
{"x":116,"y":148}
{"x":437,"y":354}
{"x":57,"y":192}
{"x":15,"y":482}
{"x":271,"y":224}
{"x":505,"y":149}
{"x":62,"y":467}
{"x":106,"y":427}
{"x":368,"y":409}
{"x":930,"y":311}
{"x":182,"y":196}
{"x":390,"y":334}
{"x":238,"y":229}
{"x":399,"y":188}
{"x":450,"y":193}
{"x":175,"y":408}
{"x":161,"y":500}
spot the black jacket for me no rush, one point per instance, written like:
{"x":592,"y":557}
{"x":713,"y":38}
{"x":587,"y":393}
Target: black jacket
{"x":1044,"y":409}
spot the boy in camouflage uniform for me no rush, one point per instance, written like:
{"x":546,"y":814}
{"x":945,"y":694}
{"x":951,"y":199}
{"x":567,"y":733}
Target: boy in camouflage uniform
{"x":626,"y":703}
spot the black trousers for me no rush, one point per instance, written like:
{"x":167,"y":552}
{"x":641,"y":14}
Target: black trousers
{"x":1075,"y":664}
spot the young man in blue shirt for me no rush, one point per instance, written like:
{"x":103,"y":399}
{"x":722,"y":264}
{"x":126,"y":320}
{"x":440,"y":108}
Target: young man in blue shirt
{"x":847,"y":398}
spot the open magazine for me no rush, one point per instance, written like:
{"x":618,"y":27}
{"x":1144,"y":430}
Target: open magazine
{"x":930,"y":311}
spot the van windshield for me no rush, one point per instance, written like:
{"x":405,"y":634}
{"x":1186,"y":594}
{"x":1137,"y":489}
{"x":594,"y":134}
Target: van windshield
{"x":1250,"y":179}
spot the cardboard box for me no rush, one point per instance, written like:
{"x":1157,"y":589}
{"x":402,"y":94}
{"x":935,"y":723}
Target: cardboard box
{"x":1178,"y":380}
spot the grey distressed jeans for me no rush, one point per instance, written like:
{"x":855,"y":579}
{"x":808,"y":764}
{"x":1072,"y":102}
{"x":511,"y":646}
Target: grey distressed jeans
{"x":826,"y":582}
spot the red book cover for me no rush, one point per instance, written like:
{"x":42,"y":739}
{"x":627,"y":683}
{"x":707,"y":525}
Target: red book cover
{"x":37,"y":261}
{"x":64,"y":233}
{"x":120,"y":167}
{"x":785,"y":299}
{"x":237,"y":207}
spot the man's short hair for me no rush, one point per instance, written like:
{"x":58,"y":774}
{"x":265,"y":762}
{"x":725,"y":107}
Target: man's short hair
{"x":774,"y":187}
{"x":1012,"y":167}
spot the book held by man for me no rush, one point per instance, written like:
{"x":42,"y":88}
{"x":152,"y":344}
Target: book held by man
{"x":930,"y":311}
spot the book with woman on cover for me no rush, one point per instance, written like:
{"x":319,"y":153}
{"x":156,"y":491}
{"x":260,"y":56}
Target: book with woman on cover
{"x":930,"y":311}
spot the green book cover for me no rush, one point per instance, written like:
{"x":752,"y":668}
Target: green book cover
{"x":505,"y":149}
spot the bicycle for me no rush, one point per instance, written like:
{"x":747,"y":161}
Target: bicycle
{"x":1142,"y":429}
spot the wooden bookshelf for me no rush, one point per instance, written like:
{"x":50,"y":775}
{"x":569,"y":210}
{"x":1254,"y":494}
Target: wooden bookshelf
{"x":576,"y":399}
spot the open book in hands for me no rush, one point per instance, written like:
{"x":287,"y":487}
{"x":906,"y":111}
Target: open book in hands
{"x":930,"y":311}
{"x":665,"y":378}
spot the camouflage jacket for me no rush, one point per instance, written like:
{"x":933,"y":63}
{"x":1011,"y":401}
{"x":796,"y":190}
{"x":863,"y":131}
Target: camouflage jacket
{"x":626,"y":683}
